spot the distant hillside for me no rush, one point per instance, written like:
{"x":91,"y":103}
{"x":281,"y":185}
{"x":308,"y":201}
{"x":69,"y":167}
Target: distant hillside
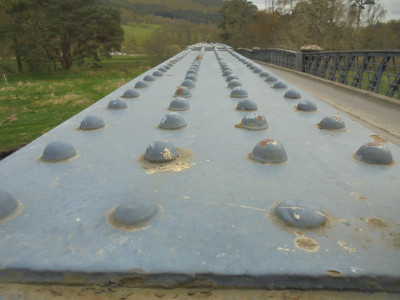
{"x":197,"y":11}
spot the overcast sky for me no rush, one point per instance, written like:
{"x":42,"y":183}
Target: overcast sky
{"x":392,"y":7}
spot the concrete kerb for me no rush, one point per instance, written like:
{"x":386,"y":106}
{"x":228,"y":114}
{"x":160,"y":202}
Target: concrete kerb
{"x":371,"y":96}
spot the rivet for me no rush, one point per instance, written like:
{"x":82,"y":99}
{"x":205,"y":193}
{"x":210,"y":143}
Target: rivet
{"x":227,"y":73}
{"x":252,"y":67}
{"x":271,"y":78}
{"x":91,"y":123}
{"x":130,"y":93}
{"x":141,"y":84}
{"x":239,"y":92}
{"x":134,"y":213}
{"x":162,"y":69}
{"x":161,"y":151}
{"x":254,"y":121}
{"x":158,"y":73}
{"x":257,"y":70}
{"x":374,"y":153}
{"x":191,"y":71}
{"x":247,"y":105}
{"x":117,"y":104}
{"x":191,"y":77}
{"x":264,"y":74}
{"x":298,"y":214}
{"x":183,"y":91}
{"x":331,"y":122}
{"x":149,"y":78}
{"x":172,"y":120}
{"x":292,"y":94}
{"x":58,"y":151}
{"x":269,"y":151}
{"x":279,"y":85}
{"x":234,"y":83}
{"x":179,"y":104}
{"x":226,"y":68}
{"x":231,"y":77}
{"x":8,"y":204}
{"x":166,"y":67}
{"x":306,"y":105}
{"x":188,"y":83}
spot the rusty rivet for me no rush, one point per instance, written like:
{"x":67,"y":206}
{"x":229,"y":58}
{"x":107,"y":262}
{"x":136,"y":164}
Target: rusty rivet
{"x":57,"y":151}
{"x":161,"y":151}
{"x":298,"y":214}
{"x":279,"y":85}
{"x":231,"y":77}
{"x":331,"y":122}
{"x":8,"y":204}
{"x":374,"y":153}
{"x":234,"y":83}
{"x":134,"y":212}
{"x":247,"y":104}
{"x":172,"y":120}
{"x":271,"y":78}
{"x":254,"y":121}
{"x":264,"y":74}
{"x":292,"y":94}
{"x":183,"y":91}
{"x":149,"y":78}
{"x":130,"y":93}
{"x":117,"y":104}
{"x":188,"y":83}
{"x":239,"y":92}
{"x":91,"y":123}
{"x":179,"y":104}
{"x":158,"y":73}
{"x":269,"y":151}
{"x":141,"y":84}
{"x":306,"y":105}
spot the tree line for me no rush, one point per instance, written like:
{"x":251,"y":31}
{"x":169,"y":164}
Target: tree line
{"x":334,"y":25}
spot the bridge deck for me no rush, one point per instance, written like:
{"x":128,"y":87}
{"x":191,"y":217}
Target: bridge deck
{"x":214,"y":225}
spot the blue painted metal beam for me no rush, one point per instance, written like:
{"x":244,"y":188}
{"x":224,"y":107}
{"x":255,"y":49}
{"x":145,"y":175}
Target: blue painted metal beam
{"x":102,"y":213}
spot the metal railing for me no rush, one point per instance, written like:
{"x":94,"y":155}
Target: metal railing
{"x":375,"y":71}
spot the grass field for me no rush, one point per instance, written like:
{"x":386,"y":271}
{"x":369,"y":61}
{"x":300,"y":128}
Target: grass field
{"x":136,"y":34}
{"x":34,"y":103}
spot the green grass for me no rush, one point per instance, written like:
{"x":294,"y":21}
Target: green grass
{"x":34,"y":103}
{"x":136,"y":34}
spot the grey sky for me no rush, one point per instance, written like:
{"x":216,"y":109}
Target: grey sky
{"x":392,"y":8}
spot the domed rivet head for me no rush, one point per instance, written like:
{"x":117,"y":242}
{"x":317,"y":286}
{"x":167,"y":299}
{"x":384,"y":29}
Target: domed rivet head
{"x":162,"y":69}
{"x":166,"y":67}
{"x":158,"y":73}
{"x":239,"y":92}
{"x":331,"y":122}
{"x":227,"y":73}
{"x":234,"y":83}
{"x":149,"y":78}
{"x":269,"y":151}
{"x":254,"y":121}
{"x":231,"y":77}
{"x":131,"y":93}
{"x":141,"y":84}
{"x":58,"y":151}
{"x":279,"y":85}
{"x":264,"y":74}
{"x":8,"y":204}
{"x":188,"y":83}
{"x":191,"y":71}
{"x":306,"y":105}
{"x":292,"y":94}
{"x":374,"y":153}
{"x":161,"y":151}
{"x":172,"y":120}
{"x":257,"y":70}
{"x":133,"y":214}
{"x":183,"y":91}
{"x":191,"y":77}
{"x":247,"y":104}
{"x":252,"y":67}
{"x":298,"y":214}
{"x":91,"y":123}
{"x":179,"y":104}
{"x":117,"y":104}
{"x":271,"y":78}
{"x":225,"y":68}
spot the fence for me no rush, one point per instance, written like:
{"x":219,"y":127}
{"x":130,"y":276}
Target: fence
{"x":376,"y":71}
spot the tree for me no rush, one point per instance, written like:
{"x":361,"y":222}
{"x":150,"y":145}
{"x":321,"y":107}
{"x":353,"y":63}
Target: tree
{"x":359,"y":5}
{"x":235,"y":14}
{"x":67,"y":30}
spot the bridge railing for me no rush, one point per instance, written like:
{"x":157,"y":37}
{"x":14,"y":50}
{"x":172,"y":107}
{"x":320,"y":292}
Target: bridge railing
{"x":376,"y":71}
